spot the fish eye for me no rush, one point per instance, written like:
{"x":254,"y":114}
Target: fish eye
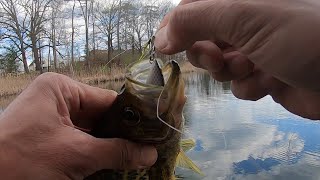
{"x":131,"y":117}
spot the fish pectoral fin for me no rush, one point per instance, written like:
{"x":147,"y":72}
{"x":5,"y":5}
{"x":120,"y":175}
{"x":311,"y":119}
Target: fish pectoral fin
{"x":187,"y":144}
{"x":184,"y":161}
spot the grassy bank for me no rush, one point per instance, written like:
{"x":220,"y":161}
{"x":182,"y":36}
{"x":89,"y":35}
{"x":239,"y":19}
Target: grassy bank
{"x":13,"y":84}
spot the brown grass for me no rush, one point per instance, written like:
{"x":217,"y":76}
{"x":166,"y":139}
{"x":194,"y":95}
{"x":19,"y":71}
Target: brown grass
{"x":14,"y":84}
{"x":100,"y":76}
{"x":5,"y":101}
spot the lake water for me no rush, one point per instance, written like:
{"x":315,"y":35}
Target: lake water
{"x":238,"y":139}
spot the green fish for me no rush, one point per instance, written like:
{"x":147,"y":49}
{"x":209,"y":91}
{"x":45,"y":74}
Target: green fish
{"x":148,"y":110}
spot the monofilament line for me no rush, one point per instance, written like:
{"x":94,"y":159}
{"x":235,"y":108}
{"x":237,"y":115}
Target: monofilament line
{"x":158,"y":116}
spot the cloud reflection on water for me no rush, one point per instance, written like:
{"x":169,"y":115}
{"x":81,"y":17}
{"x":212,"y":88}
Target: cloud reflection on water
{"x":243,"y":140}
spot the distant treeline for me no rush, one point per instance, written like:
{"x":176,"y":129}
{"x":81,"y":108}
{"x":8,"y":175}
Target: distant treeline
{"x":53,"y":34}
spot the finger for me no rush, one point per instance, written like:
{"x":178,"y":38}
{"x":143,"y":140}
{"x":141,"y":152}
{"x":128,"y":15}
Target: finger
{"x":236,"y":66}
{"x":97,"y":99}
{"x":166,"y":18}
{"x":183,"y":2}
{"x":254,"y":87}
{"x":83,"y":103}
{"x":124,"y":154}
{"x":93,"y":102}
{"x":306,"y":103}
{"x":207,"y":20}
{"x":94,"y":154}
{"x":206,"y":55}
{"x":169,"y":38}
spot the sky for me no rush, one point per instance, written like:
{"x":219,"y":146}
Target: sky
{"x":175,"y":1}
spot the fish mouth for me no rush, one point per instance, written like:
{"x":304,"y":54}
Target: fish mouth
{"x":154,"y":102}
{"x":140,"y":106}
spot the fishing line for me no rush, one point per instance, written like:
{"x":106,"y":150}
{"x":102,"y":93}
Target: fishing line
{"x":152,"y":57}
{"x":158,"y":116}
{"x":116,"y":57}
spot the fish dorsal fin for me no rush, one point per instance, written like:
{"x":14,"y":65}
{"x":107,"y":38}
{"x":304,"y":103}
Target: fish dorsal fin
{"x":187,"y":144}
{"x":185,"y":162}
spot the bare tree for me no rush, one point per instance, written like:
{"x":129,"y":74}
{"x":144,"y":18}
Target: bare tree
{"x":86,"y":16}
{"x":15,"y":26}
{"x":93,"y":29}
{"x":55,"y":9}
{"x":72,"y":33}
{"x":41,"y":26}
{"x":106,"y":17}
{"x":36,"y":10}
{"x":118,"y":24}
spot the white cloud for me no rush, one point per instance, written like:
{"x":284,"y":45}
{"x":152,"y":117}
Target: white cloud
{"x":228,"y":132}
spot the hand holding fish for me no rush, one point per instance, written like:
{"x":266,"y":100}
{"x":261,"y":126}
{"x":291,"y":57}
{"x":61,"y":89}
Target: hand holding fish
{"x":263,"y":47}
{"x":39,"y":138}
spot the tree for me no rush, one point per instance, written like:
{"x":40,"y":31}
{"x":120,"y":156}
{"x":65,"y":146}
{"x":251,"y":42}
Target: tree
{"x":106,"y":15}
{"x":86,"y":16}
{"x":72,"y":34}
{"x":55,"y":9}
{"x":13,"y":22}
{"x":9,"y":62}
{"x":38,"y":29}
{"x":36,"y":10}
{"x":119,"y":17}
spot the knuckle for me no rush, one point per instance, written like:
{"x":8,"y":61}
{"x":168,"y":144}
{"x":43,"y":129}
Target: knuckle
{"x":49,"y":78}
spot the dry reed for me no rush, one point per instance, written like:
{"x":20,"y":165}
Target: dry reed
{"x":99,"y":76}
{"x":14,"y":84}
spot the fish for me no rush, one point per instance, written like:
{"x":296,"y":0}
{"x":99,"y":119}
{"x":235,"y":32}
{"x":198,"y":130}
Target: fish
{"x":149,"y":110}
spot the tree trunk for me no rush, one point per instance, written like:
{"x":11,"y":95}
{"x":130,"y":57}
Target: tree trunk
{"x":49,"y":55}
{"x":109,"y":47}
{"x":72,"y":34}
{"x":35,"y":52}
{"x":54,"y":52}
{"x":24,"y":59}
{"x":93,"y":32}
{"x":55,"y":63}
{"x":40,"y":56}
{"x":118,"y":27}
{"x":87,"y":35}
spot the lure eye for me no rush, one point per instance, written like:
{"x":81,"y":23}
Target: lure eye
{"x":131,"y":117}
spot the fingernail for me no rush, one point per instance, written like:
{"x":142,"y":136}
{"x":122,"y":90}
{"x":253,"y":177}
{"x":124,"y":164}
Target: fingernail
{"x":148,"y":156}
{"x":161,"y":40}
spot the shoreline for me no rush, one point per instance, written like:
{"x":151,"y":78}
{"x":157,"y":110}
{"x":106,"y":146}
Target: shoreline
{"x":14,"y":85}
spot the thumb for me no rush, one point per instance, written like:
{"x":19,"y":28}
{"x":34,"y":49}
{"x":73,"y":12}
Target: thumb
{"x":225,"y":21}
{"x":120,"y":154}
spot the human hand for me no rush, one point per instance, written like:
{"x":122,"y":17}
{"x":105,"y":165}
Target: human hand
{"x":39,"y":140}
{"x":263,"y":47}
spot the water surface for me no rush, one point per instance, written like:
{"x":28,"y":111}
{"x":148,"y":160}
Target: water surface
{"x":238,"y":139}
